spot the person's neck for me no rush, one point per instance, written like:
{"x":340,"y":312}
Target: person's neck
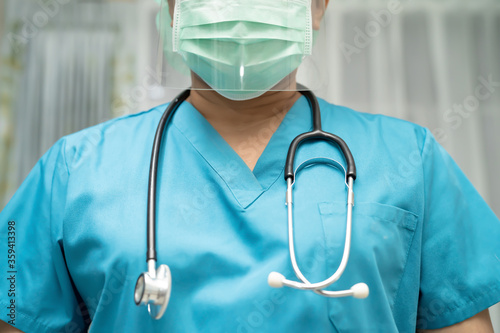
{"x":236,"y":116}
{"x":244,"y":124}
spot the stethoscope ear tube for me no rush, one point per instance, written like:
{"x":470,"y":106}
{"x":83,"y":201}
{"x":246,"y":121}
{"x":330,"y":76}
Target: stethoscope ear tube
{"x":317,"y":134}
{"x":276,"y":279}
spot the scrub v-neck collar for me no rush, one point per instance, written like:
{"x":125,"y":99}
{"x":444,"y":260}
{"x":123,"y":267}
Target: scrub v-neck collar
{"x":246,"y":186}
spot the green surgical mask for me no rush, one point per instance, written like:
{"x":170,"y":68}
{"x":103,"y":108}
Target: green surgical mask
{"x":242,"y":48}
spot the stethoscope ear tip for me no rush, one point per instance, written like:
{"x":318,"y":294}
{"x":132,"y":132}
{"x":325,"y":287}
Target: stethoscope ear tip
{"x":275,"y":280}
{"x":360,"y":290}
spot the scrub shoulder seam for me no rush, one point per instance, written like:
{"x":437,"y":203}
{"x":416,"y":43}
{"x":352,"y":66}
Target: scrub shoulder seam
{"x":110,"y":122}
{"x":93,"y":134}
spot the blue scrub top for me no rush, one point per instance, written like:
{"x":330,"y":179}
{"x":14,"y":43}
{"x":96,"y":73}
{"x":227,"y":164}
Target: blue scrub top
{"x":423,"y":239}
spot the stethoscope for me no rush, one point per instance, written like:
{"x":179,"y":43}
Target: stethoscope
{"x":154,"y":286}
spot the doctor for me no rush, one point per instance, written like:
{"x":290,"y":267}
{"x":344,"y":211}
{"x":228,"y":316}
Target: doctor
{"x":423,"y":239}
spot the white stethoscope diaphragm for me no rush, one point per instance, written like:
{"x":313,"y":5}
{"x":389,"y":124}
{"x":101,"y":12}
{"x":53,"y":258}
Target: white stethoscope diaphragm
{"x":153,"y":289}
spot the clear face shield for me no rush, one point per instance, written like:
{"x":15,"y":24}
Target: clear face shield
{"x":241,"y":48}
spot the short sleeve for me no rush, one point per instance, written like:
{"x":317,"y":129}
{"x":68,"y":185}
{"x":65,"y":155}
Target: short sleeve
{"x":36,"y":290}
{"x":460,"y":258}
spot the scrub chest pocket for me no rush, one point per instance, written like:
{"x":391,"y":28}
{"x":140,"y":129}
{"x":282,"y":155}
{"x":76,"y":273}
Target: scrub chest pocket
{"x":381,"y":239}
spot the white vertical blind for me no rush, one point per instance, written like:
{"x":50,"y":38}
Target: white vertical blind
{"x":424,"y":64}
{"x":65,"y":68}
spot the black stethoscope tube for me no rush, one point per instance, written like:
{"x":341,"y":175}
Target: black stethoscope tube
{"x":317,"y":133}
{"x":153,"y":171}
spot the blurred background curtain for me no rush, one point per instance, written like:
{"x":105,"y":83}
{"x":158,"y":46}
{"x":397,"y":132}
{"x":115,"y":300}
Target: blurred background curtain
{"x":435,"y":63}
{"x":432,"y":62}
{"x":63,"y":67}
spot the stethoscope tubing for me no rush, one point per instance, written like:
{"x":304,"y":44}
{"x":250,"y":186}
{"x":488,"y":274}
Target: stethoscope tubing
{"x":153,"y":173}
{"x":153,"y":288}
{"x":317,"y":134}
{"x":306,"y":285}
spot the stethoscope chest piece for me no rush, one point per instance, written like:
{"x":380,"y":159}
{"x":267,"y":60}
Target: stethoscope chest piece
{"x":153,"y":288}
